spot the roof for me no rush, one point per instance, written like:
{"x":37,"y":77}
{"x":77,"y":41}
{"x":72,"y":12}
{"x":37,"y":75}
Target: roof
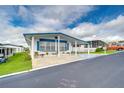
{"x":9,"y":45}
{"x":120,"y":41}
{"x":53,"y":34}
{"x":13,"y":45}
{"x":96,"y":40}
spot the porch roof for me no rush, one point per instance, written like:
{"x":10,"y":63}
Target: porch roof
{"x":52,"y":36}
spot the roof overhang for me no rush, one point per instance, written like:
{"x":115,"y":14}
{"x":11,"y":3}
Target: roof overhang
{"x":63,"y":36}
{"x":6,"y":46}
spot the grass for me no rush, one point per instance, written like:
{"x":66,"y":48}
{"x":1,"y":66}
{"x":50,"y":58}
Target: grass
{"x":16,"y":63}
{"x":102,"y":52}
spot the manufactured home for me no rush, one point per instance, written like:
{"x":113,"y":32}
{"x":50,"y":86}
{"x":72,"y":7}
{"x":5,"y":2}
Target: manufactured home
{"x":17,"y":48}
{"x":52,"y":43}
{"x":7,"y":50}
{"x":94,"y":44}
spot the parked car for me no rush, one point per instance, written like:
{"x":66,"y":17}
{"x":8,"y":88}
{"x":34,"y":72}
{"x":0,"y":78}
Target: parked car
{"x":116,"y":46}
{"x":2,"y":59}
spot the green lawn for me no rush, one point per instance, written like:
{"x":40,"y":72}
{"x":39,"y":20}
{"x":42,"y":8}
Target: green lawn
{"x":102,"y":52}
{"x":16,"y":63}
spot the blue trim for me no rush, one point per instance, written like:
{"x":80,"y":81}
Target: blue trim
{"x":38,"y":45}
{"x":41,"y":33}
{"x":52,"y":40}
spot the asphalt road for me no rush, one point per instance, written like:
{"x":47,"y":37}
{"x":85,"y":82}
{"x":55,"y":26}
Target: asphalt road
{"x":104,"y":71}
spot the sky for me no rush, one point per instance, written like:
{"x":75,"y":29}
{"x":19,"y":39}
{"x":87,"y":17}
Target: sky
{"x":84,"y":22}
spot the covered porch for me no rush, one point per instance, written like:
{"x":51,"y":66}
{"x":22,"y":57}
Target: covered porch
{"x":50,"y":48}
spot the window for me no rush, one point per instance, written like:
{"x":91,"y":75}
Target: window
{"x":63,"y":46}
{"x":11,"y":50}
{"x":0,"y":51}
{"x":7,"y":51}
{"x":114,"y":43}
{"x":47,"y":46}
{"x":52,"y":46}
{"x":86,"y":46}
{"x":3,"y":51}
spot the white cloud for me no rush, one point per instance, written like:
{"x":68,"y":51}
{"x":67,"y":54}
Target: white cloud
{"x":23,"y":12}
{"x":54,"y":18}
{"x":112,"y":30}
{"x":65,"y":14}
{"x":47,"y":19}
{"x":58,"y":17}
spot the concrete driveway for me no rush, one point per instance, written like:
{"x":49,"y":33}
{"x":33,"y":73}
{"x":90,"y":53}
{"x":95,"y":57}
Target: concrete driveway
{"x":103,"y":71}
{"x":64,"y":58}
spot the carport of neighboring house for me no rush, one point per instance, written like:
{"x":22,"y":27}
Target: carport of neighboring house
{"x":52,"y":45}
{"x":6,"y":51}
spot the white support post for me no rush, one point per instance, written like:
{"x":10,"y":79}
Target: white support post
{"x":105,"y":50}
{"x":91,"y":44}
{"x":5,"y":51}
{"x":70,"y":49}
{"x":75,"y":47}
{"x":9,"y":52}
{"x":44,"y":46}
{"x":88,"y":49}
{"x":50,"y":46}
{"x":58,"y":45}
{"x":32,"y":48}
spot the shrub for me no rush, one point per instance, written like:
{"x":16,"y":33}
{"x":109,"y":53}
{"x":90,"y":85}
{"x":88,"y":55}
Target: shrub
{"x":47,"y":53}
{"x":99,"y":49}
{"x":27,"y":50}
{"x":36,"y":54}
{"x":27,"y":56}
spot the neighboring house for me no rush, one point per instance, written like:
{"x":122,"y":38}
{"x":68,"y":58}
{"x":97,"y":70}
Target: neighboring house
{"x":52,"y":43}
{"x":7,"y":50}
{"x":94,"y":44}
{"x":18,"y":48}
